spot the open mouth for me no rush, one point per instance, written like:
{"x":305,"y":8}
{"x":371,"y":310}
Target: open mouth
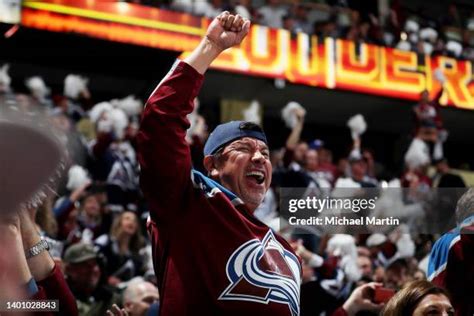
{"x":259,"y":176}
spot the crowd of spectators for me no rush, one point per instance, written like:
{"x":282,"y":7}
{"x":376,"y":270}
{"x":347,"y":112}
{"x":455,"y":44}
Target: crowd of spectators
{"x":96,"y":226}
{"x":96,"y":222}
{"x":383,"y":22}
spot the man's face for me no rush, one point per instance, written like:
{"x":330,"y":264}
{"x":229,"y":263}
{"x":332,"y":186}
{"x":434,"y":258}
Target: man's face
{"x":91,"y":206}
{"x":85,"y":275}
{"x":300,"y":152}
{"x":442,"y":167}
{"x":396,"y":278}
{"x":324,"y":156}
{"x":244,"y":168}
{"x":358,"y":169}
{"x":365,"y":266}
{"x":147,"y":294}
{"x":311,"y":160}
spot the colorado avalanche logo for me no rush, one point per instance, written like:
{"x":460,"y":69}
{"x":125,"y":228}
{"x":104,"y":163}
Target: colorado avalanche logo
{"x":264,"y":271}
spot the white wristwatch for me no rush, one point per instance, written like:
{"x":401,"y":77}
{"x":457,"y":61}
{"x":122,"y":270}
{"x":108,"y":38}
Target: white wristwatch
{"x":37,"y":249}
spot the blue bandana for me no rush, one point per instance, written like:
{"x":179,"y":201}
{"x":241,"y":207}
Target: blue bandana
{"x":228,"y":132}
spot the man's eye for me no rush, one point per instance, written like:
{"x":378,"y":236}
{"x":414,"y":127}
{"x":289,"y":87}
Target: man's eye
{"x":243,"y":149}
{"x":149,"y":300}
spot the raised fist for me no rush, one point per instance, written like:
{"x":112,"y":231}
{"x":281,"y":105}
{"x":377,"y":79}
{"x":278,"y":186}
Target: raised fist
{"x":227,"y":30}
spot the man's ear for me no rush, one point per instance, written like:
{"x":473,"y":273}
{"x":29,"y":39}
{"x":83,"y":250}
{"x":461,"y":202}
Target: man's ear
{"x":210,"y":165}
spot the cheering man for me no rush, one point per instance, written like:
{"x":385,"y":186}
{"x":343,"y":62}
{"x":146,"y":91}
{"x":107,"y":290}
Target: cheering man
{"x":211,"y":255}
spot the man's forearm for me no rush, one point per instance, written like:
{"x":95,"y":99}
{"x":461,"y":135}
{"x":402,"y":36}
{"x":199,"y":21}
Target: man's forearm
{"x":203,"y":55}
{"x":42,"y":264}
{"x":295,"y":135}
{"x":15,"y":273}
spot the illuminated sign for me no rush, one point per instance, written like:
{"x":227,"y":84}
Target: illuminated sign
{"x":332,"y":63}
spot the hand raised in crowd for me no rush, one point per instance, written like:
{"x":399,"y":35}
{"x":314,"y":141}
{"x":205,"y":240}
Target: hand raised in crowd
{"x":42,"y":264}
{"x":361,"y":300}
{"x":300,"y":115}
{"x":227,"y":30}
{"x":80,"y":191}
{"x":117,"y":311}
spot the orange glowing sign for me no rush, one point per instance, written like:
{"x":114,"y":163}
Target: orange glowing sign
{"x":330,"y":63}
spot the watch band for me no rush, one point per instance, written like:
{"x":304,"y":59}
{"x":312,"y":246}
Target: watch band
{"x":41,"y":246}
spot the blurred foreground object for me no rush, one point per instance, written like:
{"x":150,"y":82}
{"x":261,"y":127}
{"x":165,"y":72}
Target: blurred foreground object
{"x":30,"y":161}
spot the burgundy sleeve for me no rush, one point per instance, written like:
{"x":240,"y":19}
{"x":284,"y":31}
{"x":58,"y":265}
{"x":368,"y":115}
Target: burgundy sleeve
{"x":40,"y":295}
{"x":163,"y":152}
{"x":54,"y":287}
{"x":460,"y":273}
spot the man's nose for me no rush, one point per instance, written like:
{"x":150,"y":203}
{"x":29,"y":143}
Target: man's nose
{"x":258,"y":157}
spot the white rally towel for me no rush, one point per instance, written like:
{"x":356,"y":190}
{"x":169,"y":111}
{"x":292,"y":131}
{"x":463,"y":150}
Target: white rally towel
{"x":74,"y":85}
{"x":357,"y":125}
{"x":417,"y":154}
{"x":111,"y":116}
{"x":77,"y":177}
{"x":130,"y":105}
{"x":38,"y":87}
{"x":252,"y":113}
{"x":288,"y":113}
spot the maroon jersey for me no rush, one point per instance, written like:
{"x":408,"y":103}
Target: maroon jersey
{"x":54,"y":287}
{"x":211,"y":256}
{"x":451,"y":266}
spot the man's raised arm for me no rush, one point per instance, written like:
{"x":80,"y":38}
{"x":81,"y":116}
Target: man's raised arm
{"x":163,"y":153}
